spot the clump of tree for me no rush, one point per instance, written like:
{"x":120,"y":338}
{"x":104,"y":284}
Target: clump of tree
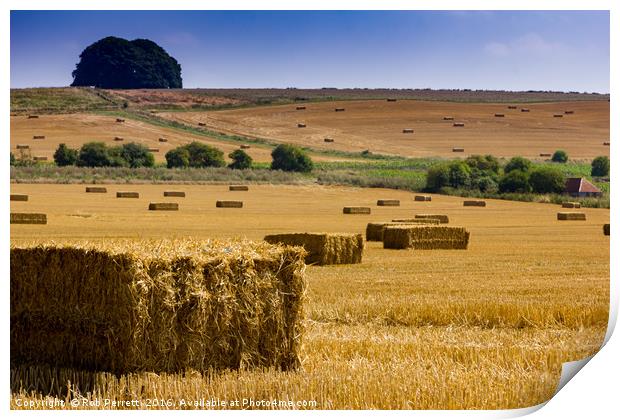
{"x":600,"y":166}
{"x":98,"y":154}
{"x":195,"y":155}
{"x":116,"y":63}
{"x":240,"y":160}
{"x":65,"y":156}
{"x":560,"y":156}
{"x":289,"y":158}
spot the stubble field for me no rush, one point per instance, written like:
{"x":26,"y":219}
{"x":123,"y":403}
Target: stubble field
{"x":487,"y":327}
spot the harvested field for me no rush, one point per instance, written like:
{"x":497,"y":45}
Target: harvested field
{"x":571,"y":216}
{"x":229,"y":204}
{"x":378,"y":125}
{"x":496,"y":322}
{"x":474,"y":203}
{"x":425,"y":237}
{"x":146,"y":305}
{"x":324,"y":248}
{"x":388,"y":203}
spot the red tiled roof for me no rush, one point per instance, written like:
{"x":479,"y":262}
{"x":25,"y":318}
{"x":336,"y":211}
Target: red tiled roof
{"x":577,"y":185}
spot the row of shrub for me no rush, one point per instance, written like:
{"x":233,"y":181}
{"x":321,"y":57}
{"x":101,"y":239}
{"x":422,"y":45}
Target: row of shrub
{"x":485,"y":174}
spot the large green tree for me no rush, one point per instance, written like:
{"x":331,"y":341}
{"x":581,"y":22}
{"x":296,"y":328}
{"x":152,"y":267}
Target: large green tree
{"x":115,"y":63}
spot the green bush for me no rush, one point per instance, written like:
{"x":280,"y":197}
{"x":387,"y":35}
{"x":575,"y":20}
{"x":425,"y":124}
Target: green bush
{"x":600,"y":166}
{"x":135,"y":155}
{"x":515,"y":181}
{"x":437,"y":177}
{"x":487,"y":163}
{"x":94,"y":154}
{"x":204,"y":156}
{"x":486,"y":184}
{"x":240,"y":160}
{"x":560,"y":156}
{"x":289,"y":158}
{"x":12,"y":159}
{"x":517,"y":163}
{"x":65,"y":156}
{"x":547,"y":180}
{"x":177,"y":158}
{"x":459,"y":174}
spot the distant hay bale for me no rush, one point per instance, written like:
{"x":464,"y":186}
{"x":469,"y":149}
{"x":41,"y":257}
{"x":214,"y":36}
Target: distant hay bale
{"x":422,"y":198}
{"x":558,"y":115}
{"x":22,"y":147}
{"x":391,"y":99}
{"x":425,"y":237}
{"x":120,"y":120}
{"x":374,"y":230}
{"x":238,"y":188}
{"x":569,"y":112}
{"x":153,"y":149}
{"x":512,"y":107}
{"x":525,"y":110}
{"x":39,"y":158}
{"x":300,"y":108}
{"x":355,"y":210}
{"x":127,"y":194}
{"x":499,"y":115}
{"x":443,"y":218}
{"x":174,"y":193}
{"x":448,"y":118}
{"x":31,"y":116}
{"x":28,"y":218}
{"x":606,"y":229}
{"x":328,"y":140}
{"x":605,"y":143}
{"x":474,"y":203}
{"x":545,"y":155}
{"x":19,"y":197}
{"x":571,"y":205}
{"x":164,"y":206}
{"x":458,"y":149}
{"x":423,"y":221}
{"x":301,"y":125}
{"x":96,"y":190}
{"x":244,"y":146}
{"x":458,"y":124}
{"x":158,"y":306}
{"x":388,"y":203}
{"x":324,"y":248}
{"x":571,"y":216}
{"x":38,"y":137}
{"x":408,"y":130}
{"x":116,"y":138}
{"x":229,"y":204}
{"x":339,"y":109}
{"x":163,"y":140}
{"x":201,"y":124}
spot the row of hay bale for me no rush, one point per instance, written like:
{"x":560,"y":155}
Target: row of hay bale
{"x":159,"y":306}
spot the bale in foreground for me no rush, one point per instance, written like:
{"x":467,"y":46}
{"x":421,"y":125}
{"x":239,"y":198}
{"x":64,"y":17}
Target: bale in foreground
{"x":571,"y":216}
{"x":425,"y":237}
{"x":161,"y":306}
{"x":324,"y":248}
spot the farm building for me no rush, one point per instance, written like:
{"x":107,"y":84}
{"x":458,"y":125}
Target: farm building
{"x":581,"y":187}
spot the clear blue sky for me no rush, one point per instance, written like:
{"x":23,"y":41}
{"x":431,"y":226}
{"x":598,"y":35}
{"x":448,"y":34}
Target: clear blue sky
{"x":541,"y":50}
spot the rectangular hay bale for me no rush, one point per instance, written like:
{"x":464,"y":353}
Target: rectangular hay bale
{"x":158,"y":306}
{"x":22,"y":147}
{"x":606,"y":229}
{"x":238,"y":188}
{"x":127,"y":194}
{"x":324,"y":248}
{"x":458,"y":149}
{"x":443,"y":218}
{"x":19,"y":197}
{"x":571,"y":205}
{"x":427,"y":221}
{"x":174,"y":193}
{"x":408,"y":130}
{"x":355,"y":210}
{"x":422,"y":198}
{"x":164,"y":206}
{"x":244,"y":146}
{"x":28,"y":218}
{"x":96,"y":190}
{"x":425,"y":237}
{"x":499,"y":115}
{"x":474,"y":203}
{"x":388,"y":203}
{"x":229,"y":204}
{"x":374,"y":230}
{"x":163,"y":140}
{"x":458,"y":124}
{"x":38,"y":137}
{"x":571,"y":216}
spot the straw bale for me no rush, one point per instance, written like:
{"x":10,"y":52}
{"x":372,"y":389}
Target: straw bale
{"x":458,"y":124}
{"x":458,"y":149}
{"x":96,"y":190}
{"x":116,"y":138}
{"x":571,"y":216}
{"x":571,"y":205}
{"x":238,"y":188}
{"x":38,"y":137}
{"x":356,"y":210}
{"x":201,"y":124}
{"x":300,"y":108}
{"x":164,"y":206}
{"x":525,"y":110}
{"x":425,"y":237}
{"x":19,"y":197}
{"x":32,"y":116}
{"x":160,"y":306}
{"x":512,"y":107}
{"x":423,"y":221}
{"x":328,"y":140}
{"x":28,"y":218}
{"x":499,"y":115}
{"x":605,"y":143}
{"x":474,"y":203}
{"x":229,"y":204}
{"x":324,"y":248}
{"x":22,"y":146}
{"x":163,"y":140}
{"x":441,"y":217}
{"x":339,"y":109}
{"x":39,"y":158}
{"x":174,"y":193}
{"x":374,"y":230}
{"x":127,"y":194}
{"x":448,"y":118}
{"x":606,"y":229}
{"x":301,"y":125}
{"x":244,"y":146}
{"x":408,"y":130}
{"x":558,"y":115}
{"x":545,"y":155}
{"x":391,"y":99}
{"x":422,"y":198}
{"x":569,"y":112}
{"x":120,"y":120}
{"x":153,"y":149}
{"x":390,"y":203}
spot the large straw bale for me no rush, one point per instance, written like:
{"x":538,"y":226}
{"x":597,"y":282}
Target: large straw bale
{"x":443,"y":218}
{"x":161,"y":306}
{"x":606,"y":229}
{"x":474,"y":203}
{"x":324,"y":248}
{"x":174,"y":193}
{"x":28,"y":218}
{"x":19,"y":197}
{"x":356,"y":210}
{"x":229,"y":204}
{"x":96,"y":190}
{"x":164,"y":206}
{"x":571,"y":205}
{"x":425,"y":237}
{"x":422,"y":221}
{"x":127,"y":194}
{"x":571,"y":216}
{"x":422,"y":198}
{"x":388,"y":203}
{"x":238,"y":188}
{"x":374,"y":230}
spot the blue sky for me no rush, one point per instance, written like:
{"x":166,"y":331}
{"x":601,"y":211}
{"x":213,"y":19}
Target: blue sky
{"x":511,"y":50}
